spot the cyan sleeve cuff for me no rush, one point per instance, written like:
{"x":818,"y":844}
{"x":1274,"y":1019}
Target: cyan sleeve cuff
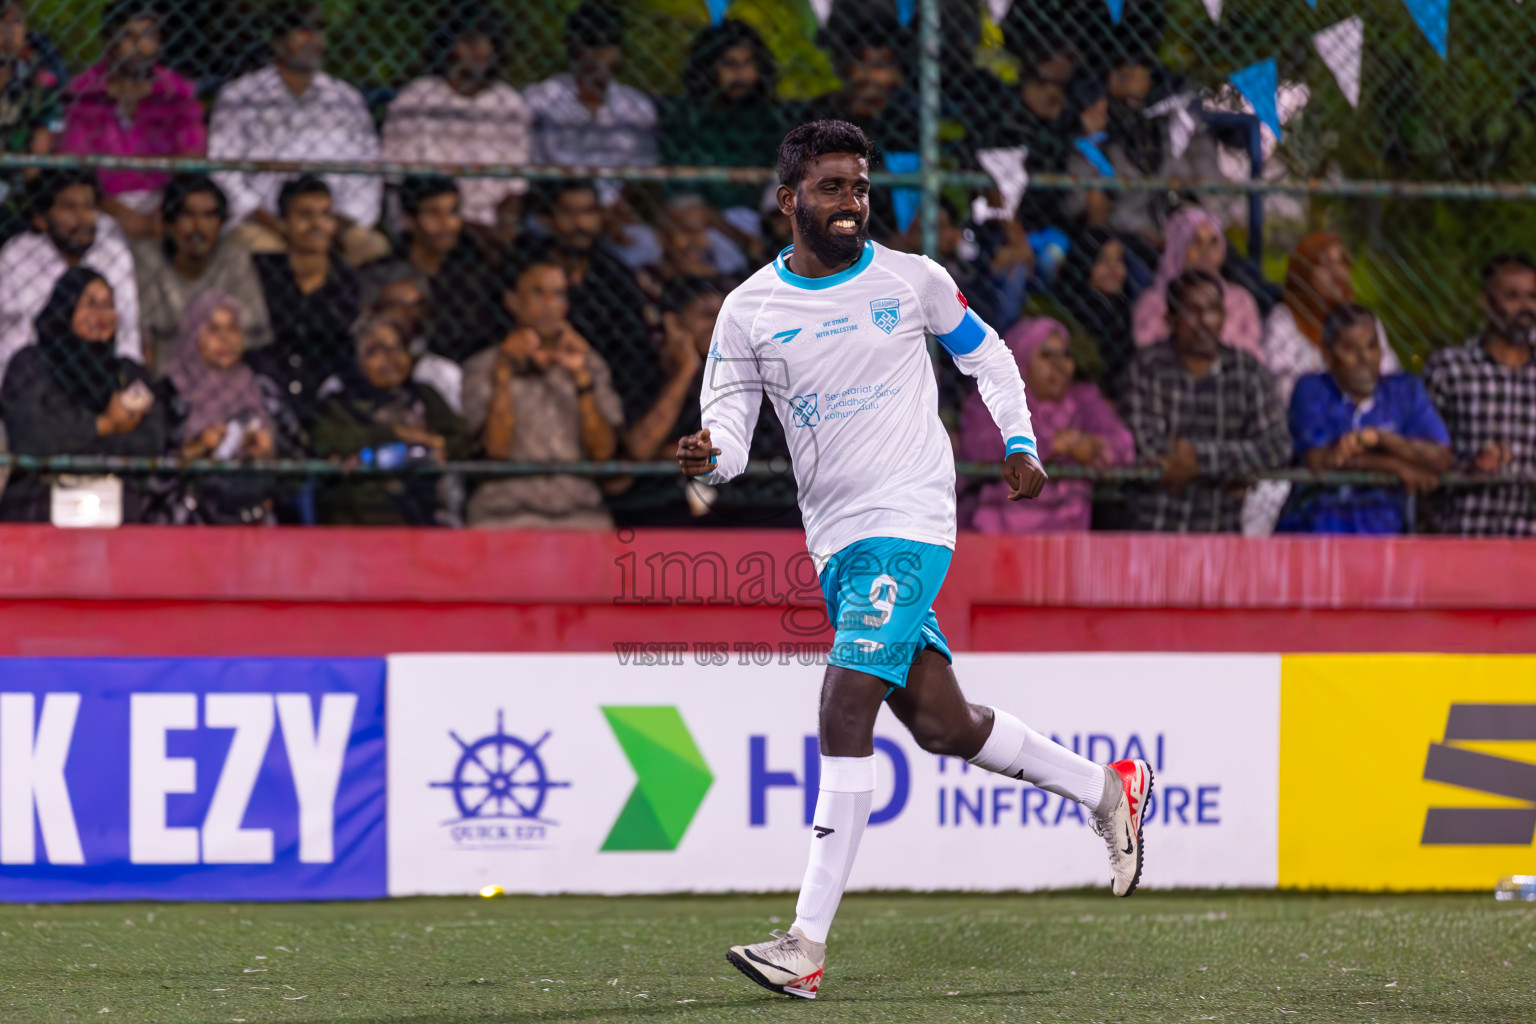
{"x":1020,"y":443}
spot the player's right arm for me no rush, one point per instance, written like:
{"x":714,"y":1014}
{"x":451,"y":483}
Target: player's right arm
{"x":729,"y":405}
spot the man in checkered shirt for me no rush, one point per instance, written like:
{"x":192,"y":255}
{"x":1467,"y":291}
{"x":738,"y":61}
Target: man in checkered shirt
{"x":1486,"y":393}
{"x":1201,"y":409}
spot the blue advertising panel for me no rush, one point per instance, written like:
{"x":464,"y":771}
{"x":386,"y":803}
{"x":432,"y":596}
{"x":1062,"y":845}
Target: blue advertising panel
{"x":192,"y":779}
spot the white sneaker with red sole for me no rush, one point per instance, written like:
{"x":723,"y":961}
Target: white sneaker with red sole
{"x":1121,"y":829}
{"x":789,"y":963}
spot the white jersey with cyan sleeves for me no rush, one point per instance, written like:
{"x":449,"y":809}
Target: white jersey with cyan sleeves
{"x":844,"y":361}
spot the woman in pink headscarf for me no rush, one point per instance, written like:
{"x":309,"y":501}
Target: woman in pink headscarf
{"x":1193,"y":241}
{"x":224,"y":415}
{"x":1073,"y":423}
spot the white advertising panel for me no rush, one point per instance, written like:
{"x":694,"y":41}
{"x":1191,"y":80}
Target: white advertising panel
{"x":651,"y":772}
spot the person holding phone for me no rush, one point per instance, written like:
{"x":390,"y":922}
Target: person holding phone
{"x":72,"y":394}
{"x":218,"y":409}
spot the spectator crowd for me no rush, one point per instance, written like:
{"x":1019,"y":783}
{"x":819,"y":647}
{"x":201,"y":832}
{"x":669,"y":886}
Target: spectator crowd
{"x":252,"y":315}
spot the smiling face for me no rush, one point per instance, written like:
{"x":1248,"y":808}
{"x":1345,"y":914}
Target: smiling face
{"x":830,"y":209}
{"x":95,"y":317}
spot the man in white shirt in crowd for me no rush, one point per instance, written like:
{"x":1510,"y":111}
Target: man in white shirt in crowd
{"x":67,"y":231}
{"x":291,"y":110}
{"x":464,"y":113}
{"x":583,"y":118}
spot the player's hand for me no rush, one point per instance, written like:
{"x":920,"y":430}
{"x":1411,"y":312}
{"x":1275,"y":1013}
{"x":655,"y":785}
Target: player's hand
{"x":1024,"y":476}
{"x":694,"y":454}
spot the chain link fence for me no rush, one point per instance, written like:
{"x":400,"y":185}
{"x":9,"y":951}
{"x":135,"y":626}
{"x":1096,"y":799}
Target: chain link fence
{"x":387,"y":237}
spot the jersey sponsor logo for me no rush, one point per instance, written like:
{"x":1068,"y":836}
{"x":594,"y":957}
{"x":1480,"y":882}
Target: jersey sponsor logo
{"x":785,"y":337}
{"x":886,"y":313}
{"x":804,"y":410}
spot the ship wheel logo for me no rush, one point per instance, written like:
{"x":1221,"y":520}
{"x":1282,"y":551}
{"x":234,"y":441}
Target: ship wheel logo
{"x":500,"y":776}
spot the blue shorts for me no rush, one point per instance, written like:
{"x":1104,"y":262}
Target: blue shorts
{"x":880,"y":594}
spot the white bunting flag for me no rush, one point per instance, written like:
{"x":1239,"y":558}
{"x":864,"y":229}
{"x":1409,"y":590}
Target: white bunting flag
{"x":1181,"y":123}
{"x":822,"y":8}
{"x":999,"y":10}
{"x":1341,"y":47}
{"x":1213,"y":8}
{"x":1006,"y":166}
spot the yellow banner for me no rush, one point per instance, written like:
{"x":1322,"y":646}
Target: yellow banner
{"x":1407,"y":771}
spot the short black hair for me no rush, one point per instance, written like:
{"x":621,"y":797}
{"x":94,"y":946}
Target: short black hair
{"x":683,"y":291}
{"x":854,"y":26}
{"x":44,"y":189}
{"x":296,"y":14}
{"x":1180,"y":287}
{"x":373,"y":278}
{"x":816,"y":139}
{"x":1345,"y":317}
{"x":1503,"y":261}
{"x":527,"y":254}
{"x":187,"y":184}
{"x":119,"y":13}
{"x":418,"y":188}
{"x":593,"y":26}
{"x":464,"y":19}
{"x":548,"y":192}
{"x":303,"y":185}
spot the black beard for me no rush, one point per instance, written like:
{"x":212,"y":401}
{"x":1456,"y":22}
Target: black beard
{"x":832,"y":250}
{"x":1519,"y":328}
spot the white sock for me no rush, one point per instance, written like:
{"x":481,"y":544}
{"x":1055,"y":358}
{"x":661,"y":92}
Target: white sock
{"x":1017,"y":751}
{"x":842,"y":811}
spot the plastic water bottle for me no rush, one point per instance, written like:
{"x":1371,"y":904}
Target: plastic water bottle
{"x":1516,"y":887}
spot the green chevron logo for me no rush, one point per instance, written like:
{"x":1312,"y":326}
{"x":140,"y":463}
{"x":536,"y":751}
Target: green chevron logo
{"x":671,"y":778}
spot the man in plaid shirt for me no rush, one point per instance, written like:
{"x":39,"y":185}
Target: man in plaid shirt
{"x":1200,"y":409}
{"x":1486,"y":393}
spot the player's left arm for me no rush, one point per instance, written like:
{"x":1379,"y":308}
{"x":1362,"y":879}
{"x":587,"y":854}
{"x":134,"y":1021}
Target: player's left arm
{"x":980,"y":353}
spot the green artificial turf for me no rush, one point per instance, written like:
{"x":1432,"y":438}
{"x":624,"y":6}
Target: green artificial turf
{"x":1079,"y":957}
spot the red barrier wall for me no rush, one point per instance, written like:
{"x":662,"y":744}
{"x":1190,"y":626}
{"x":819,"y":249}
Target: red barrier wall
{"x":142,"y":591}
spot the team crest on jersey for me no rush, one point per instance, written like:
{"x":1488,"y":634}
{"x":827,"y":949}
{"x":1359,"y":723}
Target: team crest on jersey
{"x":886,"y":313}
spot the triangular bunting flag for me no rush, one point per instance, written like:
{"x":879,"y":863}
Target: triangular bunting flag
{"x":1434,"y":20}
{"x":1213,"y":8}
{"x":1311,"y":3}
{"x":1258,"y":83}
{"x":904,"y":11}
{"x":1006,"y":166}
{"x":717,"y":10}
{"x":1341,"y":47}
{"x":905,"y":200}
{"x":821,"y":8}
{"x":1181,"y":123}
{"x":999,"y":10}
{"x":1116,"y":8}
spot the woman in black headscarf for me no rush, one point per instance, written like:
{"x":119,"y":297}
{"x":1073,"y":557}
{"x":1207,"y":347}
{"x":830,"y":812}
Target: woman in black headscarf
{"x":1096,"y":290}
{"x":71,"y":394}
{"x":382,"y":417}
